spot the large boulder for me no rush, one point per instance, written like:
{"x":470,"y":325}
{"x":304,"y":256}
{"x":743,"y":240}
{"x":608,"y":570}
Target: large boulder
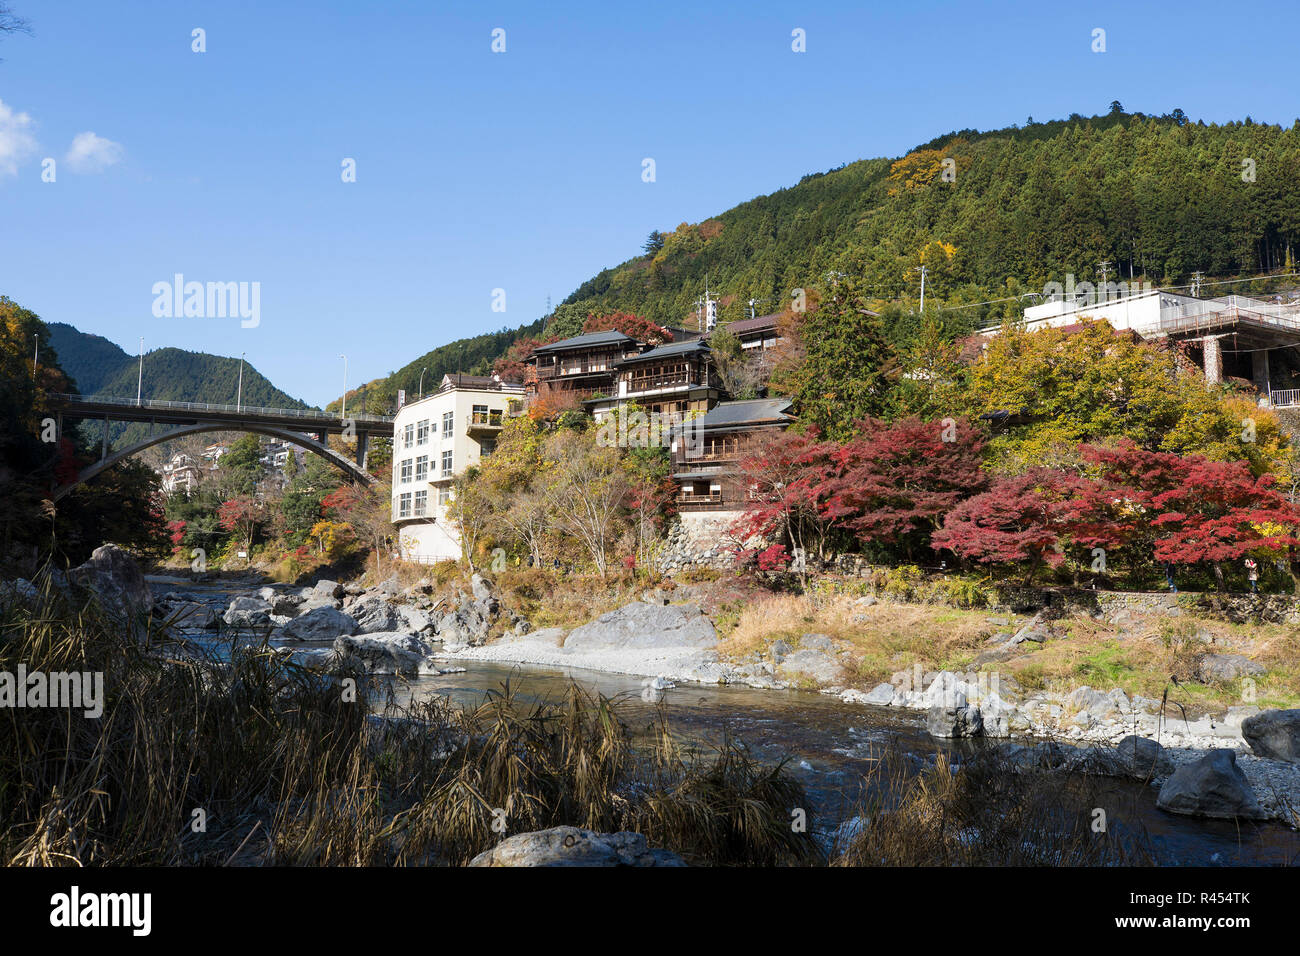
{"x":116,"y":582}
{"x":326,"y":588}
{"x":1274,"y":734}
{"x":1213,"y":786}
{"x":18,"y":591}
{"x":1221,"y":668}
{"x":247,"y":611}
{"x":321,"y":624}
{"x":964,"y":721}
{"x":374,"y":614}
{"x":1141,"y":757}
{"x":389,"y":653}
{"x":192,"y":614}
{"x":570,"y":846}
{"x":643,"y":626}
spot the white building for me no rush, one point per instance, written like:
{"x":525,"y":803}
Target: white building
{"x":1238,"y":336}
{"x":180,"y":473}
{"x":435,"y":439}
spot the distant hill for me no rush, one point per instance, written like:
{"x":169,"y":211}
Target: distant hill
{"x":102,"y":368}
{"x":993,"y":215}
{"x":474,"y":355}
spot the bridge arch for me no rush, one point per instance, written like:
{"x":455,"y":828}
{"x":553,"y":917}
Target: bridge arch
{"x":349,"y":468}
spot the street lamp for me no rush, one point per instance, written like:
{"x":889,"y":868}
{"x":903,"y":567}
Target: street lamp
{"x":239,"y":394}
{"x":139,"y":381}
{"x":345,"y":385}
{"x":422,"y":371}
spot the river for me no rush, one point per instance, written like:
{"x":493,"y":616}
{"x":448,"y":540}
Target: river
{"x":830,"y":744}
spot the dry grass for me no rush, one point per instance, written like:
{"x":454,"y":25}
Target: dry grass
{"x":289,"y":771}
{"x":881,"y":638}
{"x":1152,"y":653}
{"x":986,"y":813}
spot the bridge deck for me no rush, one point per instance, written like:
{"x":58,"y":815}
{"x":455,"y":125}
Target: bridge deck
{"x":129,"y":410}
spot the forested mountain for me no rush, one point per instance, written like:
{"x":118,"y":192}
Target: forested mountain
{"x":100,"y":367}
{"x":991,"y":215}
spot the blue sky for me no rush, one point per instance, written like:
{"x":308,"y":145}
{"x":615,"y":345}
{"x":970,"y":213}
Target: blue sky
{"x":519,"y":171}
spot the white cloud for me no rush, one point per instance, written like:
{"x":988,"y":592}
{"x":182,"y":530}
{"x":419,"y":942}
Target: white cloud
{"x":92,"y":154}
{"x":16,"y":139}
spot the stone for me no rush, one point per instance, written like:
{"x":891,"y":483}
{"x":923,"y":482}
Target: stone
{"x":965,"y":721}
{"x":996,"y":716}
{"x":779,"y":650}
{"x":321,"y":624}
{"x":374,"y":614}
{"x":1213,"y":787}
{"x":286,"y":605}
{"x":329,"y":589}
{"x":481,"y":587}
{"x":809,"y":663}
{"x":1274,"y":734}
{"x":18,"y":591}
{"x":882,"y":694}
{"x":247,"y":611}
{"x":116,"y":582}
{"x":1140,"y":757}
{"x":639,"y":625}
{"x":192,"y":614}
{"x":817,"y":642}
{"x":390,"y":653}
{"x":571,"y":846}
{"x":1219,"y":668}
{"x":1092,"y":701}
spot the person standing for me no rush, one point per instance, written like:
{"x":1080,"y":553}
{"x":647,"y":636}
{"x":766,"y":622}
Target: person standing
{"x":1252,"y":572}
{"x":1169,"y":576}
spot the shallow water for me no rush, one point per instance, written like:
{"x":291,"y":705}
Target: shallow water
{"x":829,"y":744}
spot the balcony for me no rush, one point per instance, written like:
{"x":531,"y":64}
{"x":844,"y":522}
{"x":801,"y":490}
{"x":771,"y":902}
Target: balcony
{"x":484,"y":422}
{"x":704,"y":503}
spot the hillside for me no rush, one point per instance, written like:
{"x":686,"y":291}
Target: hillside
{"x":100,"y":367}
{"x":474,"y":355}
{"x":1158,"y":197}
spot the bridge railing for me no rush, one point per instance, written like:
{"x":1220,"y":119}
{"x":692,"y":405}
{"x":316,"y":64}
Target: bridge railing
{"x":303,"y":413}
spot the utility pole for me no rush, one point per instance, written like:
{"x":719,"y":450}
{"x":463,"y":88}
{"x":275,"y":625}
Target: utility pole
{"x":139,"y":381}
{"x":921,"y":269}
{"x":239,"y":392}
{"x":345,"y":385}
{"x":1196,"y":284}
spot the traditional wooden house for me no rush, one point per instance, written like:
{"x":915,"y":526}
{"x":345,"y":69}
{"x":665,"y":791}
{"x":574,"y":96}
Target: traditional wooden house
{"x":706,"y":451}
{"x":582,"y":366}
{"x":675,"y":379}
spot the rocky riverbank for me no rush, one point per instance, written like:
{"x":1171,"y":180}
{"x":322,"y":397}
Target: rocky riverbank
{"x":387,"y":629}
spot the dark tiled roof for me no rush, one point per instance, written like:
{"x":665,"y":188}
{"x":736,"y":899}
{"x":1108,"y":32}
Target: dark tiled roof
{"x":588,"y":340}
{"x":757,"y":411}
{"x":671,"y":350}
{"x":756,"y":324}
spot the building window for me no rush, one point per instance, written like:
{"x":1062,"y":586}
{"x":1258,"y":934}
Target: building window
{"x":421,"y":503}
{"x":448,"y":423}
{"x":444,"y":495}
{"x":404,"y":505}
{"x":422,"y":468}
{"x":408,"y":436}
{"x":422,"y":432}
{"x":446,"y":464}
{"x":406,"y":471}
